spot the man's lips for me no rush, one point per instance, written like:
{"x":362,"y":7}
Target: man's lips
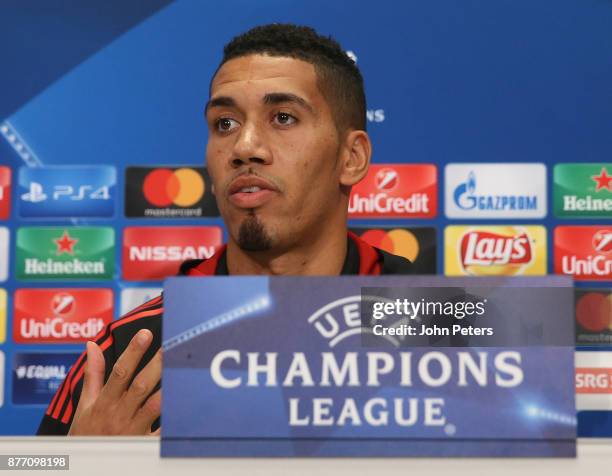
{"x":251,"y":191}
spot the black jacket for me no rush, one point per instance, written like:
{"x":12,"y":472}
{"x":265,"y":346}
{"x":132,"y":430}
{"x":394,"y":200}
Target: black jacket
{"x":361,"y":259}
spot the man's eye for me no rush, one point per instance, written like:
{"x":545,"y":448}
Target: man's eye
{"x":284,"y":119}
{"x":226,"y":124}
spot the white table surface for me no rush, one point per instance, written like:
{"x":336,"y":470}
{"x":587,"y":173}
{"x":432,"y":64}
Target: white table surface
{"x":134,"y":456}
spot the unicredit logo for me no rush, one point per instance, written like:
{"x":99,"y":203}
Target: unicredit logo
{"x":485,"y":249}
{"x":584,"y":252}
{"x":383,"y":204}
{"x":5,"y":192}
{"x":58,"y":329}
{"x":182,"y":187}
{"x":62,"y":304}
{"x":602,"y":241}
{"x":386,"y":179}
{"x":60,"y":316}
{"x":408,"y":191}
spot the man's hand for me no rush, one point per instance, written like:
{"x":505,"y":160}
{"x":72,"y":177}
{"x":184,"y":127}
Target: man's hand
{"x":115,"y":408}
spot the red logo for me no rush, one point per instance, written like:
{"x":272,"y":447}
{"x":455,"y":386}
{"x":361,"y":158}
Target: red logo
{"x":602,"y":241}
{"x":60,"y":315}
{"x":154,"y":253}
{"x":182,"y":187}
{"x":593,"y":380}
{"x":603,"y":180}
{"x":482,"y":248}
{"x":5,"y":192}
{"x":584,"y":252}
{"x":594,"y":311}
{"x":389,"y":191}
{"x":397,"y":241}
{"x":62,"y":304}
{"x":386,"y":179}
{"x":65,"y":244}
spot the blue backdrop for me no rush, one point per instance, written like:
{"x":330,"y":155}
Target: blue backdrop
{"x":125,"y":82}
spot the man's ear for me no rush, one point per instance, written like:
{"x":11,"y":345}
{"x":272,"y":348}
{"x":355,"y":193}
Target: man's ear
{"x":355,"y":157}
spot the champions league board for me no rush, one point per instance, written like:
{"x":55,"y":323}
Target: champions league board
{"x":269,"y":366}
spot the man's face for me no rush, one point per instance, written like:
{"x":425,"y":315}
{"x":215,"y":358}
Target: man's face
{"x":272,"y":152}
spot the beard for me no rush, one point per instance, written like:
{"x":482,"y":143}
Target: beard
{"x":252,"y":235}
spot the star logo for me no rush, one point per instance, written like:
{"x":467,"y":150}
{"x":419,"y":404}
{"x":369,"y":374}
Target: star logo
{"x":603,"y":180}
{"x":65,"y":244}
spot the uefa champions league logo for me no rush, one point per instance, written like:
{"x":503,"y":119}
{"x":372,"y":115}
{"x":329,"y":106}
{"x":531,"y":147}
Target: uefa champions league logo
{"x":341,"y":319}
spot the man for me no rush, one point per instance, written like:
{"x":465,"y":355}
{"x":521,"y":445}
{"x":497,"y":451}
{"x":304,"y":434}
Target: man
{"x":287,"y":140}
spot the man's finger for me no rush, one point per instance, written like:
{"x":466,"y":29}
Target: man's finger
{"x":141,"y":387}
{"x":93,"y":379}
{"x":147,"y":414}
{"x":125,"y":366}
{"x":155,"y":433}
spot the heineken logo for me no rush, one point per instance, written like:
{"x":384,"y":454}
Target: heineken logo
{"x":583,"y":190}
{"x":65,"y":253}
{"x":65,"y":244}
{"x":603,"y":180}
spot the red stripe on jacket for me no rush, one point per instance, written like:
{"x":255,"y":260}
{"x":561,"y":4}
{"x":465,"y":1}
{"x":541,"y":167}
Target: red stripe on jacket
{"x":369,"y":265}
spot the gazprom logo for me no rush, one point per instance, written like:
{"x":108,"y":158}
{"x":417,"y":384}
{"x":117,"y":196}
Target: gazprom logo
{"x":496,"y":190}
{"x":464,"y":193}
{"x":466,"y":198}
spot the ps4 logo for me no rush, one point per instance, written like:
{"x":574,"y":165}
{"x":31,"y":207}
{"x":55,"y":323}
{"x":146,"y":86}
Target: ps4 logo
{"x":36,"y":193}
{"x":67,"y":191}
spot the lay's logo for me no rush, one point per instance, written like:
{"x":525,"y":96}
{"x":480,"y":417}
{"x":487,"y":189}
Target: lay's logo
{"x":495,"y":250}
{"x":482,"y":248}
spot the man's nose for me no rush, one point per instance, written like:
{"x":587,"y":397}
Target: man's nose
{"x":250,"y":146}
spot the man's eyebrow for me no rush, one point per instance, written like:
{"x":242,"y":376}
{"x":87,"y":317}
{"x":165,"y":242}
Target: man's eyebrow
{"x":279,"y":98}
{"x":221,"y":101}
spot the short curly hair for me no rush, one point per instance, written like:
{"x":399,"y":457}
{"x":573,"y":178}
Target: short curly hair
{"x":338,"y":77}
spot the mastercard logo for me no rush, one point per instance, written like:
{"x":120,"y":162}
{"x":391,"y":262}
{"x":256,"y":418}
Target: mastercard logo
{"x":594,"y":312}
{"x":181,"y":187}
{"x":398,"y":242}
